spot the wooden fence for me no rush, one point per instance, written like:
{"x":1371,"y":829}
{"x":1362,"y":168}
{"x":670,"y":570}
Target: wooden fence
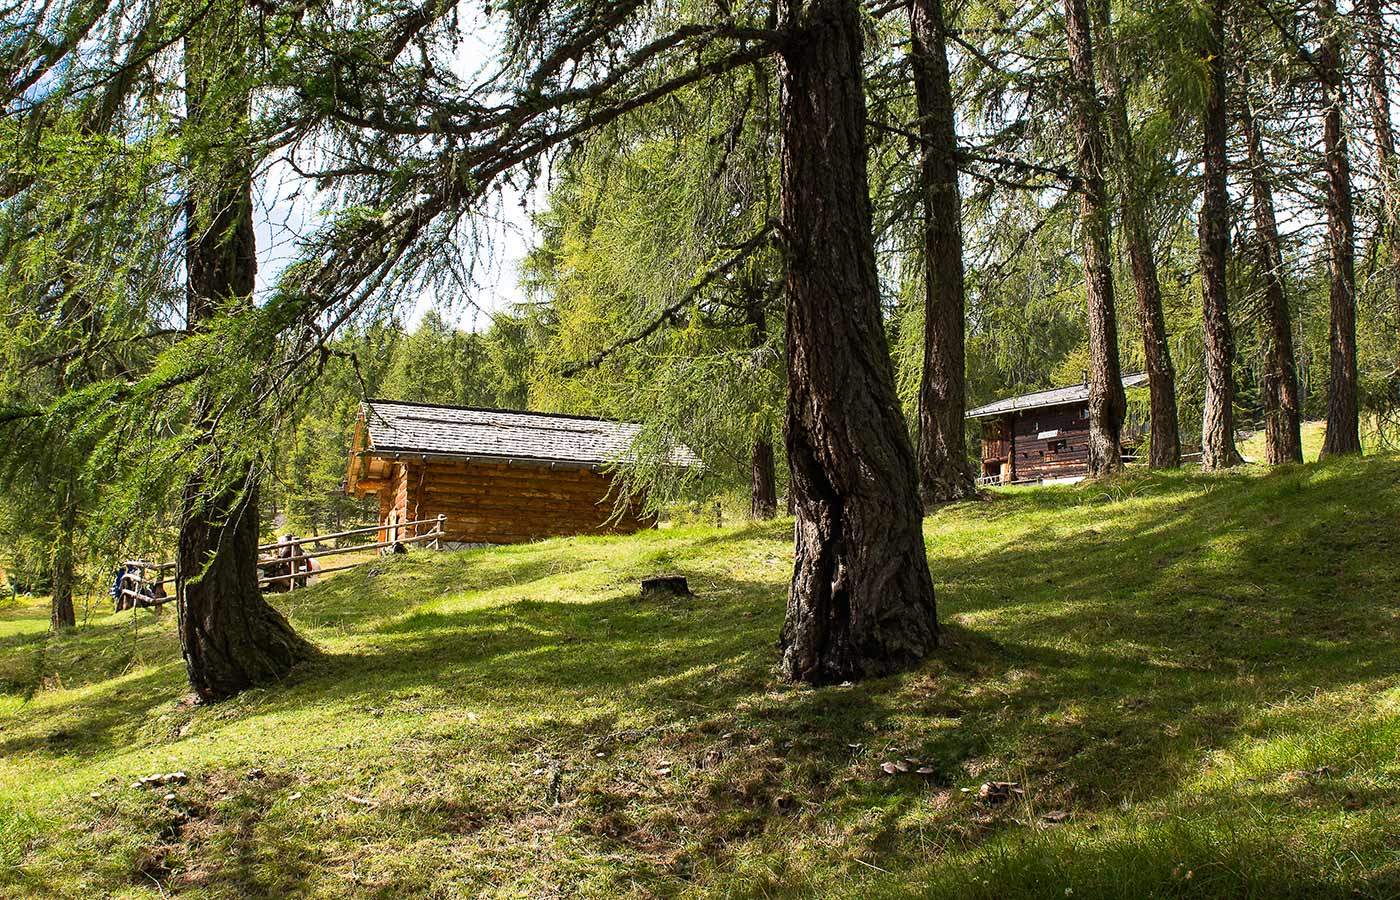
{"x":146,"y":586}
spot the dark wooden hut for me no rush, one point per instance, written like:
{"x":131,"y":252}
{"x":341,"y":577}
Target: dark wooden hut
{"x":1041,"y":437}
{"x":498,"y":476}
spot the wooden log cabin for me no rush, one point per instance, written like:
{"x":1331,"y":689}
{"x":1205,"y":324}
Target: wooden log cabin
{"x":1042,"y":437}
{"x":498,"y":476}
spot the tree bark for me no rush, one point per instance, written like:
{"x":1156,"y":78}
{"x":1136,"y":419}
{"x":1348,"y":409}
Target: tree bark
{"x":1283,"y":442}
{"x":1218,"y":417}
{"x":230,"y":638}
{"x":1378,"y":81}
{"x":1343,"y":424}
{"x":861,"y":602}
{"x":1165,"y":445}
{"x":763,"y":487}
{"x":1107,"y":404}
{"x":944,"y":471}
{"x":763,"y":480}
{"x":62,"y":615}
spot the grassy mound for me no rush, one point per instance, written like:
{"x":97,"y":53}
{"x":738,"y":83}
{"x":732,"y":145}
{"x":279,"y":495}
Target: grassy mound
{"x":1193,"y":680}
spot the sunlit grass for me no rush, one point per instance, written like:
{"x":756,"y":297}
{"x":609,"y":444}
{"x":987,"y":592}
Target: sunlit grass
{"x":1199,"y":672}
{"x":1312,"y":434}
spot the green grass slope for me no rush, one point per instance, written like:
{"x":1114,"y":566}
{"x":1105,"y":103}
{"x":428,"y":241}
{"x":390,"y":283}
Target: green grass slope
{"x":1312,"y":434}
{"x":1198,"y":675}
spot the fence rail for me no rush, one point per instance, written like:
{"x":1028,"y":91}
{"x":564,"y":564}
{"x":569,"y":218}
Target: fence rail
{"x":147,"y":591}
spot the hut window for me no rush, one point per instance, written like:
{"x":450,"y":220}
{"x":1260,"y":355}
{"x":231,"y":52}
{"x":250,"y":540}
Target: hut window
{"x":1056,"y":446}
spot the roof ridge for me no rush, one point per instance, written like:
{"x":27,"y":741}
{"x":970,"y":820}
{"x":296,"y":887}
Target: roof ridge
{"x":1124,"y":377}
{"x":495,"y":409}
{"x":1027,"y":400}
{"x":471,"y":431}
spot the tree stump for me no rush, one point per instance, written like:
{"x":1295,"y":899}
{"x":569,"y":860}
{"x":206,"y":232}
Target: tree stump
{"x":665,"y":586}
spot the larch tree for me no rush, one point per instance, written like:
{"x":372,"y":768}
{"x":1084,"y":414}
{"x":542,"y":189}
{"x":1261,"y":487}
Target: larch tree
{"x":666,"y":218}
{"x":78,"y":212}
{"x":1107,"y":403}
{"x":1164,"y":450}
{"x":763,"y":479}
{"x":861,"y":602}
{"x":230,"y":637}
{"x":1282,"y":405}
{"x":1218,"y":415}
{"x":1343,"y":417}
{"x":944,"y":471}
{"x":64,"y":561}
{"x":1378,"y":89}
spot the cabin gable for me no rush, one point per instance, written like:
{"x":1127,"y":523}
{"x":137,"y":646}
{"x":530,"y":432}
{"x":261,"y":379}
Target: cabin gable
{"x":1041,"y":437}
{"x":496,"y":477}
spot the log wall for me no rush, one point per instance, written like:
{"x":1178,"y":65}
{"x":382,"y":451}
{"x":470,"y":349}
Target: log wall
{"x":394,"y":503}
{"x":495,"y":503}
{"x":1062,"y":455}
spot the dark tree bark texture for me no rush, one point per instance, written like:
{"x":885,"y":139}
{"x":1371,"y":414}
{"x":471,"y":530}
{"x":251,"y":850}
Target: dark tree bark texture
{"x":1283,"y":442}
{"x":1343,"y":422}
{"x":1107,"y":404}
{"x":62,"y":615}
{"x":1378,"y":81}
{"x":944,"y":470}
{"x":1218,"y":416}
{"x":763,"y":480}
{"x":861,"y":602}
{"x":763,"y":488}
{"x":1165,"y":445}
{"x":230,"y":637}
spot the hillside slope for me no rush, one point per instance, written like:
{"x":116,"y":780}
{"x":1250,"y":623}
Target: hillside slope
{"x":1194,"y":680}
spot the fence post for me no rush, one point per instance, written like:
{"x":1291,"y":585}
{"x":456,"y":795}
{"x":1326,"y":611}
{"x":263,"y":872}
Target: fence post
{"x":437,"y":541}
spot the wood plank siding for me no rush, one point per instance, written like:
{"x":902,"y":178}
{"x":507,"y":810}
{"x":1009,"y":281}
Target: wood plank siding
{"x":497,"y":503}
{"x":1037,"y":444}
{"x":495,"y":476}
{"x":394,"y":504}
{"x":1044,"y":435}
{"x":1052,"y":443}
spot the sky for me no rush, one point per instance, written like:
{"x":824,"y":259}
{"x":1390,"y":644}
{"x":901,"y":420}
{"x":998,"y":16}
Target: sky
{"x":285,"y":211}
{"x":282,"y":216}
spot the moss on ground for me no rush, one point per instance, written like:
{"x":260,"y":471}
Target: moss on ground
{"x":1198,"y":674}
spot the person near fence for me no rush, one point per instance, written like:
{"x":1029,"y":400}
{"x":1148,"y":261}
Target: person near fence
{"x":129,"y":578}
{"x":288,"y":566}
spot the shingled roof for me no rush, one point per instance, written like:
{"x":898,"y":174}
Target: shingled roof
{"x":398,"y":428}
{"x":1075,"y":393}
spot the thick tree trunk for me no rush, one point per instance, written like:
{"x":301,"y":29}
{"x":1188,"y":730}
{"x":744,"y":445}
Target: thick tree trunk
{"x":1107,"y":405}
{"x":944,"y":471}
{"x":1343,"y":424}
{"x":1378,"y":80}
{"x":1165,"y":449}
{"x":230,"y":638}
{"x":63,"y":580}
{"x":1218,"y":418}
{"x":1283,"y":441}
{"x":861,"y":602}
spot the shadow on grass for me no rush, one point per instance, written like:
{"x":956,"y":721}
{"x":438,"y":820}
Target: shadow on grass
{"x":1110,"y":678}
{"x":1096,"y":658}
